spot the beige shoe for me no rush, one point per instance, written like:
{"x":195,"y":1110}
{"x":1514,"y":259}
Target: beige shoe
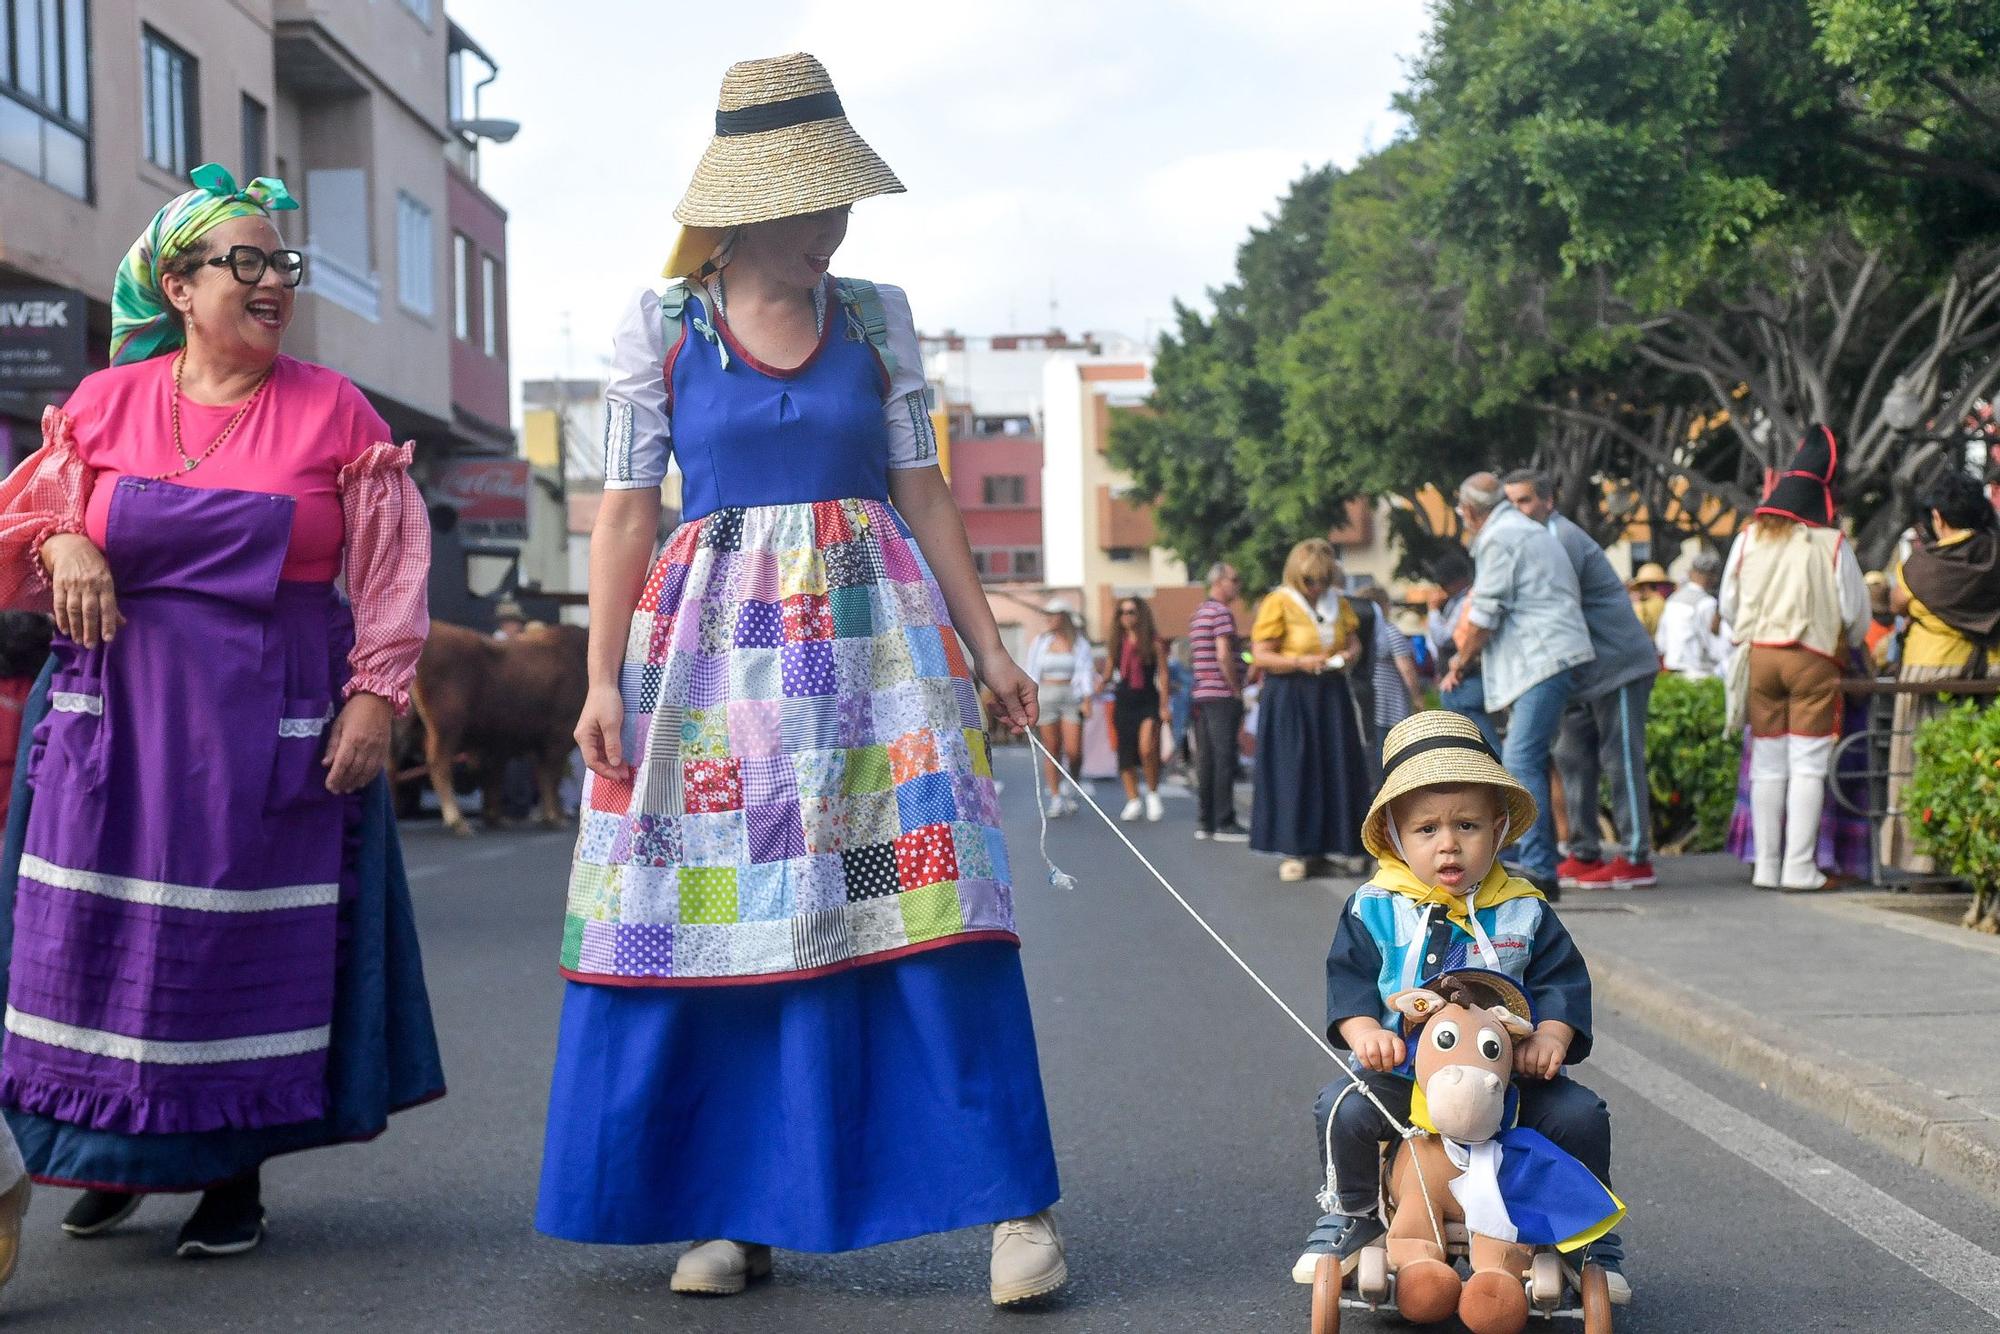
{"x":1292,"y":868}
{"x":13,"y":1208}
{"x":721,"y":1268}
{"x":1027,"y":1259}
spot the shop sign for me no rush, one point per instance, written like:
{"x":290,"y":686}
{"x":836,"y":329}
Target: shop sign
{"x":42,"y":337}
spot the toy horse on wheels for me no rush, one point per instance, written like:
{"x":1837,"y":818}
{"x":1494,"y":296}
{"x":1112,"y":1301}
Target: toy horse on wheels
{"x":1506,"y":1201}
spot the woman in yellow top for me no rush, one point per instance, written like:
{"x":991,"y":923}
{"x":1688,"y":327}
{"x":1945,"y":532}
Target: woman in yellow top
{"x":1311,"y":786}
{"x":1949,"y":587}
{"x":1648,"y":589}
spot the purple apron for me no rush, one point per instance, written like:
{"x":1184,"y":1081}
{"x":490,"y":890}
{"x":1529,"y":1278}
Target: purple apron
{"x":174,"y":928}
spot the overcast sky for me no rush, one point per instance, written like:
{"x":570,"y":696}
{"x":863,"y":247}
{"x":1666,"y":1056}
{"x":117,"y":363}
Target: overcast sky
{"x":1106,"y":156}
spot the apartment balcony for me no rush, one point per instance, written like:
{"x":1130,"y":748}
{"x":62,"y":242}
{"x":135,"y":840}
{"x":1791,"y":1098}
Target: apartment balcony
{"x":344,"y":285}
{"x":1123,"y":524}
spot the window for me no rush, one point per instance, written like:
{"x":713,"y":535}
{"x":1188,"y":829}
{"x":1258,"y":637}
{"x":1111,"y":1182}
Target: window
{"x":421,"y":9}
{"x":415,"y":280}
{"x":1123,"y":553}
{"x":1004,"y":491}
{"x":256,"y":136}
{"x":461,"y":298}
{"x":489,"y":304}
{"x":340,"y":266}
{"x":45,"y":91}
{"x":173,"y":131}
{"x":1028,"y":563}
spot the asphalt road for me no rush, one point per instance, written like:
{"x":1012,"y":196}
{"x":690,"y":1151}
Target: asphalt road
{"x":1180,"y":1098}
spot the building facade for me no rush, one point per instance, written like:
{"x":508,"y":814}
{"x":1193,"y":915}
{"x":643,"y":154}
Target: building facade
{"x":1100,"y":542}
{"x":106,"y":105}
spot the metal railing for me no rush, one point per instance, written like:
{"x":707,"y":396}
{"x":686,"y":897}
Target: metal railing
{"x":1880,"y":772}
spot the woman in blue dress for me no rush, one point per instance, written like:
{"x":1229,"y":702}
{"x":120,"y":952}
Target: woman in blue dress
{"x":795,"y":1015}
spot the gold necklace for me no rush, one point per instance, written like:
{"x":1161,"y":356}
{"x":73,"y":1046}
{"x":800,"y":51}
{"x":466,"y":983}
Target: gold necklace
{"x":188,"y":465}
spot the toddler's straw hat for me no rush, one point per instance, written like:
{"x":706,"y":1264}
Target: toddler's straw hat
{"x":1439,"y":746}
{"x":782,"y":147}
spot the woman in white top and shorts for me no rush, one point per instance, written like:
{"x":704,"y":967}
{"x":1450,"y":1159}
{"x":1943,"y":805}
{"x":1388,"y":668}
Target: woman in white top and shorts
{"x":1059,"y":662}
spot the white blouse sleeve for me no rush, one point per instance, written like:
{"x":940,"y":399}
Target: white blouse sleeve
{"x":637,"y":440}
{"x":912,"y":439}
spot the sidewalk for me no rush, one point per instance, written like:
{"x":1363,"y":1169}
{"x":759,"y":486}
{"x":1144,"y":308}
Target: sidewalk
{"x":1883,"y":1018}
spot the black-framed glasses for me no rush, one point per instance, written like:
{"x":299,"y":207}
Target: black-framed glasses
{"x":246,"y":263}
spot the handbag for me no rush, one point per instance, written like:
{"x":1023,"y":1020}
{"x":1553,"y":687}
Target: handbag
{"x":1736,"y":691}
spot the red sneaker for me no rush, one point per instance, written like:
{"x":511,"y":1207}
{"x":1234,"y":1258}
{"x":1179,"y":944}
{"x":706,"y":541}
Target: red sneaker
{"x":1632,"y":875}
{"x":1571,"y":872}
{"x":1597,"y":875}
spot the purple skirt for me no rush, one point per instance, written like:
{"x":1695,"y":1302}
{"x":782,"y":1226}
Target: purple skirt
{"x":184,"y":877}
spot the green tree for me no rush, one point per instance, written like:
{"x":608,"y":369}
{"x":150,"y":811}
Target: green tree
{"x":1212,"y":440}
{"x":1783,"y":204}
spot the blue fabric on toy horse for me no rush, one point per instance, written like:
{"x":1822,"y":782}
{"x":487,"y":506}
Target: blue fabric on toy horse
{"x":1519,"y":1185}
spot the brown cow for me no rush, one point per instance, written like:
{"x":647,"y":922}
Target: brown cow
{"x":498,"y":699}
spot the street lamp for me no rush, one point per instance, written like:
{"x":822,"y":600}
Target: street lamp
{"x":499,"y":131}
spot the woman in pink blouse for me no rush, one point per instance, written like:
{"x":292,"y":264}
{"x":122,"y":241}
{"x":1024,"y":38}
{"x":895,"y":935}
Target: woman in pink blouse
{"x":214,"y":959}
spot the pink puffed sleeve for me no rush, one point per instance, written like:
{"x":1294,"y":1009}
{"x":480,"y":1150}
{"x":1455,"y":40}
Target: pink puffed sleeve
{"x":388,"y":570}
{"x":44,"y":496}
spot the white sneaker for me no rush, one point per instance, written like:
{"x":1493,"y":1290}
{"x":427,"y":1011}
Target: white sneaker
{"x":1133,"y":809}
{"x":1156,"y":810}
{"x":1027,"y":1259}
{"x":720,"y":1268}
{"x":1069,"y":806}
{"x":1054,"y":809}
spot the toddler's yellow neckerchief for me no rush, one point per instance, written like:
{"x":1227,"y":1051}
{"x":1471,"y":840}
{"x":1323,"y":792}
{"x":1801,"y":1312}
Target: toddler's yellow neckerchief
{"x":1394,"y":874}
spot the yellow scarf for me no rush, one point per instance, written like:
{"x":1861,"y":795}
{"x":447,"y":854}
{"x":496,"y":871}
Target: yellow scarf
{"x":1394,"y":874}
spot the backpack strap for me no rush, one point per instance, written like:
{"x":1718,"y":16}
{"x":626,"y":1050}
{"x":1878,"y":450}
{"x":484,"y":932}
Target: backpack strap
{"x":863,"y":302}
{"x":673,"y":331}
{"x":673,"y":302}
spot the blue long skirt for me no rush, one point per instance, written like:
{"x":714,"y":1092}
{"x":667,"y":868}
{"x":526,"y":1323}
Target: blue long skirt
{"x":383,"y":1056}
{"x":1312,"y":791}
{"x":871,"y":1105}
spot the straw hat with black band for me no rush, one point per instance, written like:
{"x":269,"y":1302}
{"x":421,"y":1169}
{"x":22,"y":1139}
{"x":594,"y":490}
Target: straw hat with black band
{"x":782,"y":147}
{"x":1439,"y":747}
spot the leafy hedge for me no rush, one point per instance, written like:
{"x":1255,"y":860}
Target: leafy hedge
{"x":1691,"y":765}
{"x":1953,"y":800}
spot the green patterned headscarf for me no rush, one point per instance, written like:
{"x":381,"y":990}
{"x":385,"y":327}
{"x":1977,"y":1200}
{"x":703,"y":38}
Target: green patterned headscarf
{"x":142,"y":325}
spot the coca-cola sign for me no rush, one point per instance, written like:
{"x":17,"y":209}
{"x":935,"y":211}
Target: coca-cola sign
{"x":490,"y":495}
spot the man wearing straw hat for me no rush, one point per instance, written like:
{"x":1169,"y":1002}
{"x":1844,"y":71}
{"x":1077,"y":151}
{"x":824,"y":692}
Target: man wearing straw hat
{"x":795,"y":1014}
{"x":1440,"y":901}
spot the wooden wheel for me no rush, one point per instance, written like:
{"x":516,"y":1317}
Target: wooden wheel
{"x":1596,"y":1301}
{"x":1326,"y":1296}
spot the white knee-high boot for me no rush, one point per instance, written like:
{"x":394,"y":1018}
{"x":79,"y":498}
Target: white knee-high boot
{"x":1804,"y":800}
{"x":1770,"y":774}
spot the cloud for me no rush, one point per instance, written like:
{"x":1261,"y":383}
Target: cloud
{"x":1109,"y":155}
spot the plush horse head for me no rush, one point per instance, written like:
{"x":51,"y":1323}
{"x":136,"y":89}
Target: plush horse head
{"x":1464,"y":1056}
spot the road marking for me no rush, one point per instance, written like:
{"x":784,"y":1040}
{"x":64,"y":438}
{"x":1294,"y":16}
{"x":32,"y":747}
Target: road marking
{"x":1928,"y":1247}
{"x":491,"y":853}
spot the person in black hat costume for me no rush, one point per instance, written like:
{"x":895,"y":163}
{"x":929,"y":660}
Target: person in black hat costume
{"x":1794,"y":598}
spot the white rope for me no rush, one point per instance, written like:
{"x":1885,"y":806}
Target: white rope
{"x":1063,"y":880}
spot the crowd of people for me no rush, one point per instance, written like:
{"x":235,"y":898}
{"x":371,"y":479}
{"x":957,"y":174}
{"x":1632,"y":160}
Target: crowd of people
{"x":789,"y":912}
{"x":1533,"y":635}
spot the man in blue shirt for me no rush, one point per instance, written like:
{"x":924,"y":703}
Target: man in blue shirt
{"x":1524,"y":624}
{"x":1604,"y":729}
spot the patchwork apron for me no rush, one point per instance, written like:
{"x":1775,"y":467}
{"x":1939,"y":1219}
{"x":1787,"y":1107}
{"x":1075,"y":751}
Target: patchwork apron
{"x":175,"y":922}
